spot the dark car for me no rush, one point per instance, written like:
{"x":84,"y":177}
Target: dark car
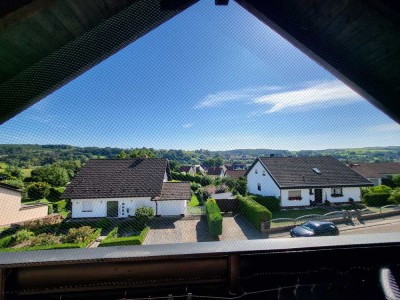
{"x":314,"y":228}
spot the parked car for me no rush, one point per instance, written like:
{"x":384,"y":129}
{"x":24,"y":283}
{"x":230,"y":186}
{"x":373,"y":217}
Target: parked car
{"x":314,"y":228}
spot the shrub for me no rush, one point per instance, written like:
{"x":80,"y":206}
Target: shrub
{"x":379,"y":189}
{"x":60,"y":206}
{"x":395,"y":196}
{"x":79,"y":235}
{"x":43,"y":222}
{"x":55,"y":194}
{"x":376,"y":199}
{"x":7,"y":241}
{"x":111,"y":240}
{"x":270,"y":202}
{"x":254,"y":212}
{"x":50,"y":208}
{"x":14,"y":182}
{"x":143,"y":215}
{"x":38,"y":190}
{"x":45,"y":239}
{"x":214,"y":217}
{"x":23,"y":235}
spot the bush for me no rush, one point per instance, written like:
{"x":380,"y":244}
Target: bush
{"x":38,"y":190}
{"x":214,"y":217}
{"x":376,"y":199}
{"x":143,"y":215}
{"x":254,"y":212}
{"x":55,"y":194}
{"x":7,"y":241}
{"x":14,"y":182}
{"x":54,"y":175}
{"x":395,"y":196}
{"x":79,"y":235}
{"x":23,"y":235}
{"x":379,"y":189}
{"x":50,"y":208}
{"x":45,"y":239}
{"x":111,"y":240}
{"x":60,"y":206}
{"x":270,"y":202}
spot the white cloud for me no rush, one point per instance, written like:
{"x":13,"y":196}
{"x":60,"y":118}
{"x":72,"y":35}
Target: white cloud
{"x":308,"y":95}
{"x":223,"y":97}
{"x":313,"y":94}
{"x":187,"y":125}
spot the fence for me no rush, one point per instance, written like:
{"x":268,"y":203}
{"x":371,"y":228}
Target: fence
{"x":344,"y":214}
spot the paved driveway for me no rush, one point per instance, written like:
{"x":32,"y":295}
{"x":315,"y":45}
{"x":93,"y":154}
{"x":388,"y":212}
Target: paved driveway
{"x":174,"y":230}
{"x":171,"y":231}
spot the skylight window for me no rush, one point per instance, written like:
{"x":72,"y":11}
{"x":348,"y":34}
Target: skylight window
{"x":316,"y":170}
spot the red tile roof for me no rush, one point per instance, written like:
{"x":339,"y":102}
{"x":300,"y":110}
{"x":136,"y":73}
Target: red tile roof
{"x":376,"y":170}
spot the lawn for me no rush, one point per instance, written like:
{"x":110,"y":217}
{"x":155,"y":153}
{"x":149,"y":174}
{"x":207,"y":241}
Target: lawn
{"x":194,"y":201}
{"x":295,"y":213}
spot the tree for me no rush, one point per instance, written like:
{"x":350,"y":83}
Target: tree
{"x":174,"y":165}
{"x":143,"y":215}
{"x":38,"y":190}
{"x":215,"y":161}
{"x":241,"y":186}
{"x":15,"y":172}
{"x":141,"y":153}
{"x":54,"y":175}
{"x":121,"y":155}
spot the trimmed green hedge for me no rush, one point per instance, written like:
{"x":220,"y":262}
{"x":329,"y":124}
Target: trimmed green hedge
{"x":376,"y":199}
{"x":55,"y":246}
{"x":111,"y":240}
{"x":254,"y":212}
{"x":270,"y":202}
{"x":214,"y":217}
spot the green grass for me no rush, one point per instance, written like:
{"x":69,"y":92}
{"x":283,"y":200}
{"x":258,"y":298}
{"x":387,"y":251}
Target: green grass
{"x":174,"y":180}
{"x":295,"y":213}
{"x":44,"y":200}
{"x":194,"y":201}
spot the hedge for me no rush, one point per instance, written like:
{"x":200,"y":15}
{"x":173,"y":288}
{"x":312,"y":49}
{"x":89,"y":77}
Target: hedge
{"x":124,"y":241}
{"x":394,"y":198}
{"x":254,"y":212}
{"x":376,"y":199}
{"x":55,"y":246}
{"x":270,"y":202}
{"x":214,"y":217}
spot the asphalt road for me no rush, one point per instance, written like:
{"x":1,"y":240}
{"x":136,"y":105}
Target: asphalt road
{"x":359,"y":229}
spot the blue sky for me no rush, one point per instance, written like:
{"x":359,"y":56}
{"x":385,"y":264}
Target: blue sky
{"x":213,"y":78}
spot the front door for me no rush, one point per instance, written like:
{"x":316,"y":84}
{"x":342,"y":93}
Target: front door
{"x":318,"y":195}
{"x":112,"y":209}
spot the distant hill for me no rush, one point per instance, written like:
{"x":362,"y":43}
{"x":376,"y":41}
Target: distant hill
{"x":27,"y":156}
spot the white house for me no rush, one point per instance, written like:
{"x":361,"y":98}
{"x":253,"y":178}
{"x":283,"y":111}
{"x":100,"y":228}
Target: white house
{"x":300,"y":181}
{"x":117,"y":187}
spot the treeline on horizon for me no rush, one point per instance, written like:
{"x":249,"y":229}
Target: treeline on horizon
{"x":29,"y":155}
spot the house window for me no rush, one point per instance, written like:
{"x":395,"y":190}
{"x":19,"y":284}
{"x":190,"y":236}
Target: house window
{"x":263,"y":172}
{"x":87,"y":206}
{"x":259,"y":186}
{"x":256,"y":171}
{"x":337,"y":192}
{"x":294,"y":195}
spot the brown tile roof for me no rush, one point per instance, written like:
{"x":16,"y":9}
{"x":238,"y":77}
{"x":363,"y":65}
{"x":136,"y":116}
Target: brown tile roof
{"x":114,"y":178}
{"x":376,"y":170}
{"x":297,"y":172}
{"x":235,"y":173}
{"x":185,"y":169}
{"x":175,"y":191}
{"x":214,"y":171}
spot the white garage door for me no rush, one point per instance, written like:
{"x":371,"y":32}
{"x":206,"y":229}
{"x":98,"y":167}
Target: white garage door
{"x":171,"y":208}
